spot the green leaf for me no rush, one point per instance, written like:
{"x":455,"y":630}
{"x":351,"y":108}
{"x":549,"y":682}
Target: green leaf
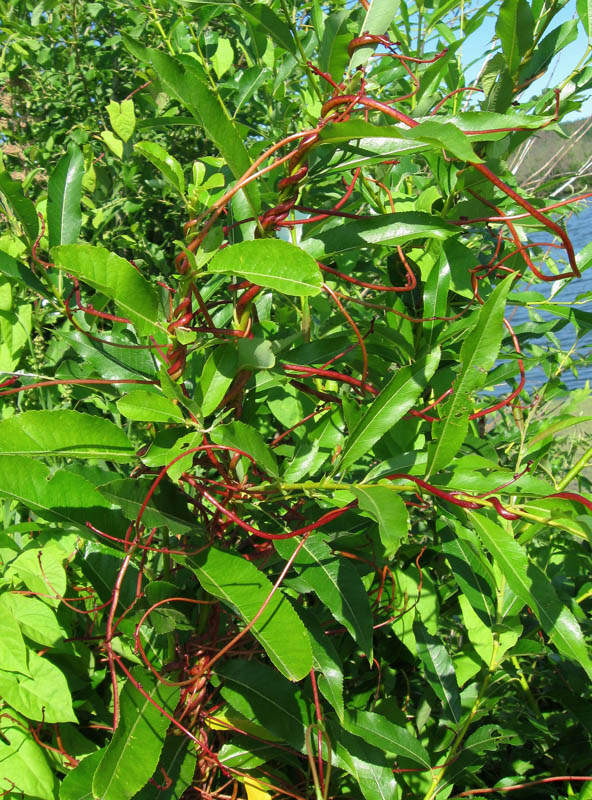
{"x":333,"y":55}
{"x":378,"y":17}
{"x":266,"y":20}
{"x":535,"y":590}
{"x":113,"y":143}
{"x":63,"y":496}
{"x":244,"y":588}
{"x":368,"y":137}
{"x":167,"y":164}
{"x":22,"y":208}
{"x":186,"y":81}
{"x":263,"y":696}
{"x":548,"y":431}
{"x":109,"y":363}
{"x":515,"y":27}
{"x":447,"y":136}
{"x":479,"y":123}
{"x":255,"y":354}
{"x":325,"y":659}
{"x":149,"y":407}
{"x":13,"y":652}
{"x":122,"y":117}
{"x":41,"y":570}
{"x":316,"y":448}
{"x":64,"y":193}
{"x":272,"y":263}
{"x":584,"y":9}
{"x":217,"y":375}
{"x":439,"y":671}
{"x":44,"y":696}
{"x":393,"y":402}
{"x":77,"y":785}
{"x":24,"y":763}
{"x":166,"y":507}
{"x":337,"y":583}
{"x":390,"y":738}
{"x":367,"y":764}
{"x":244,"y":437}
{"x":35,"y":619}
{"x":435,"y":300}
{"x":132,"y":754}
{"x":472,"y":577}
{"x":65,"y":433}
{"x":223,"y":57}
{"x":116,"y":278}
{"x":178,"y":761}
{"x":480,"y":635}
{"x":17,"y":271}
{"x":383,"y":229}
{"x":388,"y":509}
{"x":477,"y":356}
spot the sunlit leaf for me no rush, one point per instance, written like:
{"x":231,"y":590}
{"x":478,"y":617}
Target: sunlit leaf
{"x":272,"y":263}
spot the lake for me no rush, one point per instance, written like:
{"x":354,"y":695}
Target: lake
{"x":579,"y":228}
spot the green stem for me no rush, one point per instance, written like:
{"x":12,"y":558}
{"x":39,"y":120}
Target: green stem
{"x":165,"y":38}
{"x":306,"y":319}
{"x":575,"y":470}
{"x":530,"y":698}
{"x":311,"y":75}
{"x":437,"y":779}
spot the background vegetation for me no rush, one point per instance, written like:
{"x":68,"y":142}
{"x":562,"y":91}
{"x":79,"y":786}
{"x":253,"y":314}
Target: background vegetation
{"x":281,"y":518}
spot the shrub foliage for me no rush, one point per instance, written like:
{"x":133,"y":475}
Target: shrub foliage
{"x":288,"y":508}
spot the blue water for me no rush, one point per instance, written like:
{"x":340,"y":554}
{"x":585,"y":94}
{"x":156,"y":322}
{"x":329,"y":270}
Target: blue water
{"x":579,"y":228}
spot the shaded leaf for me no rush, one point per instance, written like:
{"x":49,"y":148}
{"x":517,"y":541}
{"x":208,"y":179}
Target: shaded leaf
{"x":439,"y":671}
{"x":268,"y":21}
{"x":63,"y":496}
{"x":177,"y":761}
{"x":333,"y":55}
{"x":132,"y":754}
{"x":261,"y":695}
{"x":166,"y":507}
{"x":535,"y":590}
{"x":22,"y":208}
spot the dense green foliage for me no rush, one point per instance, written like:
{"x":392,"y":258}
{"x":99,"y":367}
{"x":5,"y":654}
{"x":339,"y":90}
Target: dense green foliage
{"x":283,"y":515}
